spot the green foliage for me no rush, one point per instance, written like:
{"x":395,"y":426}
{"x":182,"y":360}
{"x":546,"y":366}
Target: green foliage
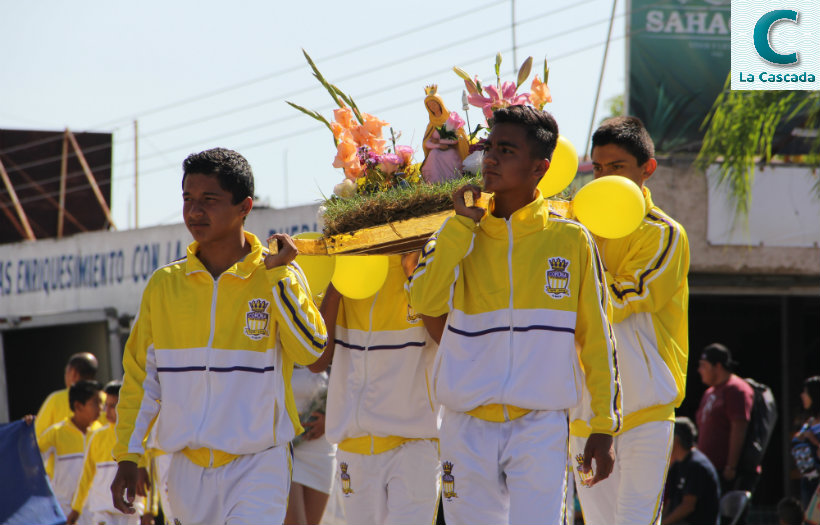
{"x":740,"y":129}
{"x":394,"y":204}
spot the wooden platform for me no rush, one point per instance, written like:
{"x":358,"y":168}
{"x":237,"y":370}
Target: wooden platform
{"x":392,"y":238}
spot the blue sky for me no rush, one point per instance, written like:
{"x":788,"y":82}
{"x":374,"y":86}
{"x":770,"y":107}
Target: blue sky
{"x":201,"y":74}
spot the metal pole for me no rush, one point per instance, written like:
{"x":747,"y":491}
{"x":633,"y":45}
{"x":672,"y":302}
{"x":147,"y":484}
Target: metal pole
{"x":285,"y":172}
{"x":514,"y":46}
{"x":136,"y":175}
{"x":600,"y":80}
{"x":785,"y":415}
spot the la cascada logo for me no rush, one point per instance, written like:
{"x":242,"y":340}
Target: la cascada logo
{"x":775,"y":45}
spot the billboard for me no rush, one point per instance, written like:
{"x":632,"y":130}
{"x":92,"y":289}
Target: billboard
{"x":678,"y":57}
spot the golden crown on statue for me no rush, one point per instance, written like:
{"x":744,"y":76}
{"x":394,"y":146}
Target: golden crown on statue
{"x":432,"y":89}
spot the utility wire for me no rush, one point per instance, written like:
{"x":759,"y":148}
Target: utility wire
{"x":294,"y":133}
{"x":379,"y":90}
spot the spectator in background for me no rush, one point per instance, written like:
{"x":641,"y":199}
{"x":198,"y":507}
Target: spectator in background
{"x":789,"y":512}
{"x":80,"y":366}
{"x":692,"y":492}
{"x":806,"y":443}
{"x":724,"y":412}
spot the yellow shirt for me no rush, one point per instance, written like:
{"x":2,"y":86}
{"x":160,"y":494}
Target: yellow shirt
{"x":65,"y":443}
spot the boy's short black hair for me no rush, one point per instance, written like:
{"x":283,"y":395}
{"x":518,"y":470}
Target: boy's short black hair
{"x":85,"y":364}
{"x":112,"y":388}
{"x":686,"y":432}
{"x":82,"y":391}
{"x":789,"y":511}
{"x":542,"y":130}
{"x":628,"y":133}
{"x":229,"y":167}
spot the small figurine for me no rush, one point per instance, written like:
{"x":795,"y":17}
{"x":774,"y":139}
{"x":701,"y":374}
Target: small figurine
{"x":445,"y":143}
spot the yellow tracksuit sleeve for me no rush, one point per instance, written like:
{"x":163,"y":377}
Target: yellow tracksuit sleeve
{"x":47,"y":444}
{"x":429,"y":287}
{"x":87,"y":477}
{"x":596,"y":346}
{"x":300,"y":326}
{"x":50,"y":412}
{"x":138,"y":404}
{"x":653,"y":270}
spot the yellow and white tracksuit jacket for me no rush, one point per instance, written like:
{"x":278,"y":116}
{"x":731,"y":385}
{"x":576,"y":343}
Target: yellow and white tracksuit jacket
{"x":99,"y":469}
{"x":521,"y":295}
{"x":646,"y":273}
{"x":64,"y":444}
{"x":217,"y":356}
{"x":378,"y":395}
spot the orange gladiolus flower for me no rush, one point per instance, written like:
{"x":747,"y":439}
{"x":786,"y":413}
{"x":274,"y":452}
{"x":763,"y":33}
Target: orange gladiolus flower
{"x":344,"y":116}
{"x":539,"y":93}
{"x":347,"y":159}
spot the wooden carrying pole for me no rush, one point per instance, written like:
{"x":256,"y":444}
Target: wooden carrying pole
{"x":21,"y":214}
{"x":90,"y":176}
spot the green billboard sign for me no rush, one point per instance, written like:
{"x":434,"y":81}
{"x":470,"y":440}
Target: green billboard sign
{"x":678,"y":56}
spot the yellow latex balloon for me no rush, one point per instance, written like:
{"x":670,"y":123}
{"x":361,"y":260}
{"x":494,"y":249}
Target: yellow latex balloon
{"x":318,"y":268}
{"x":610,"y":207}
{"x":562,"y":170}
{"x":359,"y":276}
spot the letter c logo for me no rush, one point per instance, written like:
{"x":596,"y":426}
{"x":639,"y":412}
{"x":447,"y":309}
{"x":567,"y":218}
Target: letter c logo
{"x":761,"y":36}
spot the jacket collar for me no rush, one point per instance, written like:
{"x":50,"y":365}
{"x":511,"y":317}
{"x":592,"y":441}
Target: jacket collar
{"x":242,"y":268}
{"x":529,"y":219}
{"x":647,"y":199}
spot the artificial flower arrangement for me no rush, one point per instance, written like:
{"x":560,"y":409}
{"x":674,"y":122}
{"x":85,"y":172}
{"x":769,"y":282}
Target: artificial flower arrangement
{"x":382,"y":183}
{"x":501,"y":95}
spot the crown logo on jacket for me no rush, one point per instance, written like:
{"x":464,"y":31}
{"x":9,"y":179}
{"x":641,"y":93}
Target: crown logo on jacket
{"x":558,"y":263}
{"x":448,"y":481}
{"x":258,"y":305}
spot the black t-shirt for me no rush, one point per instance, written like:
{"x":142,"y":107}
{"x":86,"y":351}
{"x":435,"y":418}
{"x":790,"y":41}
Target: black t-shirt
{"x":695,"y":475}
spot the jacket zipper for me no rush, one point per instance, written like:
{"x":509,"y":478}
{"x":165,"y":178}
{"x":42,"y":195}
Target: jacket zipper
{"x":208,"y":369}
{"x":510,"y":348}
{"x":366,"y":349}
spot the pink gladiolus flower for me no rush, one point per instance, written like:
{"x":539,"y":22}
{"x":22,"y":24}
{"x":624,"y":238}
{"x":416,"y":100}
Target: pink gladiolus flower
{"x":390,"y":163}
{"x":454,"y":122}
{"x":405,"y":153}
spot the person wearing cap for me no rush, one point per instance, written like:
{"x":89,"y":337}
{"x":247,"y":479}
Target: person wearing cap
{"x":724,"y":412}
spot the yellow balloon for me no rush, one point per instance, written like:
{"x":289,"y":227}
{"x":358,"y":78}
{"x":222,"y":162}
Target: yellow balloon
{"x":359,"y":276}
{"x":318,"y":268}
{"x":562,"y":170}
{"x":610,"y":207}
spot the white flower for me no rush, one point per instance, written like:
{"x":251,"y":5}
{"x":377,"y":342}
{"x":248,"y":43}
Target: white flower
{"x":472,"y":163}
{"x":345,"y":189}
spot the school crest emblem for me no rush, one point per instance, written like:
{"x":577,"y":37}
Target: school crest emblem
{"x":585,"y":478}
{"x":257,"y":319}
{"x":448,"y":481}
{"x":557,"y":278}
{"x":345,"y":479}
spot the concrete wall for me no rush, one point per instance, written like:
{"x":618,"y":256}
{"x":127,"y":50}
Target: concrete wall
{"x":681,"y":191}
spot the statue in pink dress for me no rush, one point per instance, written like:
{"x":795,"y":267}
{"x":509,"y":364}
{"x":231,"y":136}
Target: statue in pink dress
{"x":442,"y":154}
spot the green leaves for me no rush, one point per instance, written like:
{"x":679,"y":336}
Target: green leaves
{"x":740,"y":130}
{"x":313,"y":114}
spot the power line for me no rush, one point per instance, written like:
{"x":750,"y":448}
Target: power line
{"x":312,"y":129}
{"x":380,"y":89}
{"x":292,"y":69}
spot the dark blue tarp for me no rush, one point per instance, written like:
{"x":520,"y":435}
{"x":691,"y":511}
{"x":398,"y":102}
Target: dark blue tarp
{"x":26,"y":497}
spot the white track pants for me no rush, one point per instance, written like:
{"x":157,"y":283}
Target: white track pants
{"x":512,"y":472}
{"x":633,"y":493}
{"x":394,"y":487}
{"x":252,"y":489}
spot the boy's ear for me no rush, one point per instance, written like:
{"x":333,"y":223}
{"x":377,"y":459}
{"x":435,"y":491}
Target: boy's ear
{"x":649,"y":168}
{"x":247,"y":205}
{"x":541,"y":167}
